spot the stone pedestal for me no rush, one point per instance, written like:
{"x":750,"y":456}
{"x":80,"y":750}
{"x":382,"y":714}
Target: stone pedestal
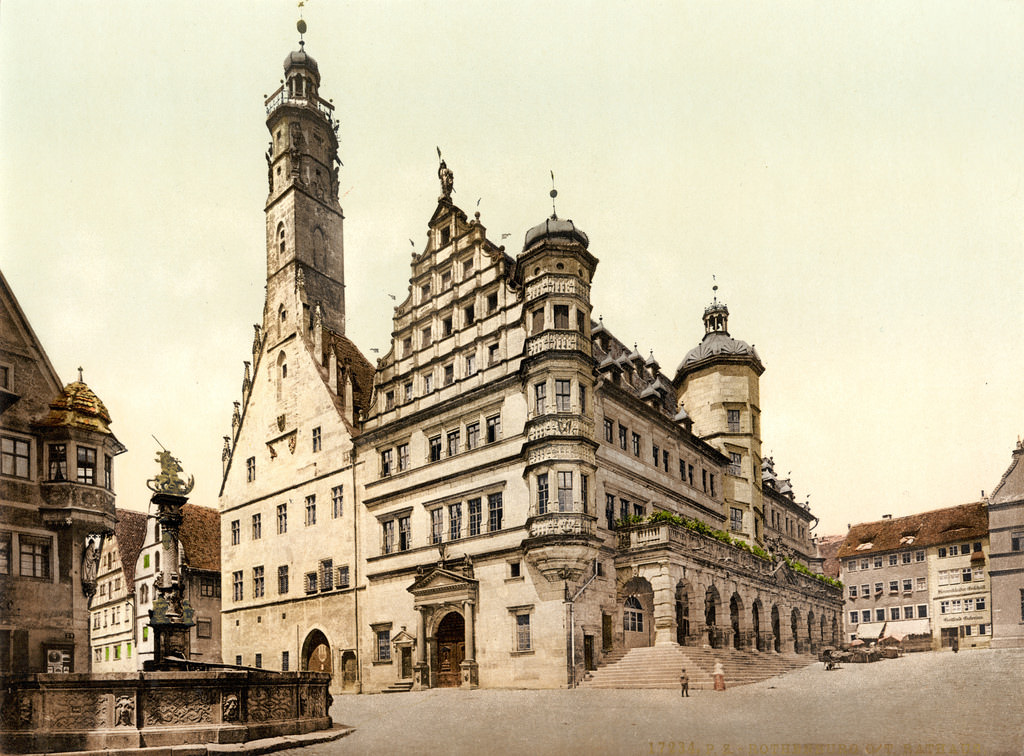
{"x":470,"y":674}
{"x":420,"y":676}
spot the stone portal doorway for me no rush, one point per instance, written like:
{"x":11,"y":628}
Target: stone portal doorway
{"x":406,"y":662}
{"x":316,"y":653}
{"x":348,"y":670}
{"x":451,"y":650}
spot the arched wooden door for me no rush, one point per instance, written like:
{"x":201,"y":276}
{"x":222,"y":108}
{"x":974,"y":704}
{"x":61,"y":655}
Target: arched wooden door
{"x":451,"y":650}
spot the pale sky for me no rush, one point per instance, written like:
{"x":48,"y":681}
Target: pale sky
{"x":850,"y":171}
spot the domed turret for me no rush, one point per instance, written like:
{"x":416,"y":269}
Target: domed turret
{"x":555,"y":228}
{"x":78,"y":407}
{"x":302,"y":59}
{"x":717,"y":342}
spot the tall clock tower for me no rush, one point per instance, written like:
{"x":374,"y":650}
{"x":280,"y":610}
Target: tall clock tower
{"x":305,"y":251}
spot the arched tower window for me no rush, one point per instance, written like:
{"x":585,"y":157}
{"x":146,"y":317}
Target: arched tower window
{"x":319,"y":248}
{"x":282,"y":372}
{"x":280,"y":238}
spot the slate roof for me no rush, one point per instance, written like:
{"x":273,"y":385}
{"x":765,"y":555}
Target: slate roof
{"x":200,"y":537}
{"x":130,"y":531}
{"x":917,"y":531}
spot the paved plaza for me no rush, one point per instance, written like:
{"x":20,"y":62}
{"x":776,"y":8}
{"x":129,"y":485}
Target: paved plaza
{"x":972,"y":703}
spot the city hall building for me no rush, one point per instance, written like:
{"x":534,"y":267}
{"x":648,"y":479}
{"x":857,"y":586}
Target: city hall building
{"x":511,"y":493}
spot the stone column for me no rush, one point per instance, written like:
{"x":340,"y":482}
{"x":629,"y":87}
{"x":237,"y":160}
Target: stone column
{"x":420,"y":675}
{"x":469,"y":666}
{"x":664,"y":610}
{"x":787,"y":641}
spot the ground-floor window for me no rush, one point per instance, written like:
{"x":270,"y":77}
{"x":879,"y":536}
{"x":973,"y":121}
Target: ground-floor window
{"x":384,"y":645}
{"x":633,"y":616}
{"x":523,"y":640}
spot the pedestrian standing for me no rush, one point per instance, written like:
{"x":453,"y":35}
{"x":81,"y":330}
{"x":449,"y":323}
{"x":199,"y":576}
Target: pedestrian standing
{"x":684,"y":682}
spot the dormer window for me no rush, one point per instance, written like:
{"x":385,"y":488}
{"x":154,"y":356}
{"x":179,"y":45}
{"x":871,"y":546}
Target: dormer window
{"x":446,"y":236}
{"x":425,"y":291}
{"x":407,"y":346}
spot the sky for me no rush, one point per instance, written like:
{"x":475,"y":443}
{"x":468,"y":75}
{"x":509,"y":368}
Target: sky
{"x":848,"y":173}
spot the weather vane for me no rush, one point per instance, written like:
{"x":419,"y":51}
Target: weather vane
{"x":553,"y":193}
{"x":301,"y":25}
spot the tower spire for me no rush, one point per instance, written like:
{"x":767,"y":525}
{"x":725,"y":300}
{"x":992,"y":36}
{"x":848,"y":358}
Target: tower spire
{"x":553,"y":193}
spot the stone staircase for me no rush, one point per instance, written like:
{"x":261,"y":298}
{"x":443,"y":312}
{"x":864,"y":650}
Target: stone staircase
{"x":401,"y":686}
{"x":659,"y":667}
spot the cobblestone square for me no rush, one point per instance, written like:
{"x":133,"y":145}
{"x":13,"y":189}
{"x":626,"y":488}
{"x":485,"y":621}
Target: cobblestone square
{"x":930,"y":703}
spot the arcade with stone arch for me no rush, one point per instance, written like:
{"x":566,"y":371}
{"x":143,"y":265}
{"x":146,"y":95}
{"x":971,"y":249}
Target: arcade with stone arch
{"x":675,"y":603}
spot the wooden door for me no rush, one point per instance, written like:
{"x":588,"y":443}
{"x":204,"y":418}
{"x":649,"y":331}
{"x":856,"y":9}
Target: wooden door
{"x":588,"y":652}
{"x":606,"y":632}
{"x":451,"y":650}
{"x":406,"y":662}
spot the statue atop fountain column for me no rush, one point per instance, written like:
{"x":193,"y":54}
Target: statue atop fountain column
{"x":171,"y":616}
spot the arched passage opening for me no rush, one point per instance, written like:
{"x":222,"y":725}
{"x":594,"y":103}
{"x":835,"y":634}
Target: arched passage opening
{"x":682,"y":612}
{"x":712,"y":606}
{"x":810,"y":632}
{"x":316,"y":653}
{"x":755,"y":622}
{"x":794,"y":625}
{"x":835,"y":631}
{"x":735,"y":619}
{"x":637,"y":613}
{"x":451,"y":650}
{"x":776,"y":630}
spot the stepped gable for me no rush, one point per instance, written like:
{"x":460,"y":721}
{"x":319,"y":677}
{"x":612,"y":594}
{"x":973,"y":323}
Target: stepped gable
{"x":917,"y":531}
{"x":640,"y":377}
{"x":200,"y":537}
{"x":130,"y":530}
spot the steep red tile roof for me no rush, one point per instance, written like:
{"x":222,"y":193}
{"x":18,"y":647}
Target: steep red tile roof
{"x":200,"y":537}
{"x":351,"y":359}
{"x":925,"y":529}
{"x":828,"y":550}
{"x":130,"y":531}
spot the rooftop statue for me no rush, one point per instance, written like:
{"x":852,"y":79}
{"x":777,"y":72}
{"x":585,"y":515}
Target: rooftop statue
{"x":168,"y":481}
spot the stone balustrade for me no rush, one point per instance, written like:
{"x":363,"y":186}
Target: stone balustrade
{"x":562,"y":523}
{"x":548,"y":426}
{"x":555,"y":284}
{"x":564,"y":341}
{"x":712,"y":551}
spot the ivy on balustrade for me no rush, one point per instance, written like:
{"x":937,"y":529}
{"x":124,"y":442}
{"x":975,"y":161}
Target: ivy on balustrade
{"x":696,"y":526}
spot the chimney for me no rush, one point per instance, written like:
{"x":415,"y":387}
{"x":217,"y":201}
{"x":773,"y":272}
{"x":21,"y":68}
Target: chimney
{"x":350,"y":410}
{"x":887,"y":517}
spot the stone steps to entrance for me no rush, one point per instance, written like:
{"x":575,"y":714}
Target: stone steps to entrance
{"x":659,"y":667}
{"x":402,"y":686}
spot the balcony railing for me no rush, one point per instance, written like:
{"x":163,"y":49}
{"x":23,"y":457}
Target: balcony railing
{"x":563,"y":523}
{"x":280,"y":97}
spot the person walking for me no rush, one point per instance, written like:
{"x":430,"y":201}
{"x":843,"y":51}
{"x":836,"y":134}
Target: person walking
{"x":684,"y":682}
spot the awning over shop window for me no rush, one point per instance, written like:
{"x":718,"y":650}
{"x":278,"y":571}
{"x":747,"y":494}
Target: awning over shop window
{"x":900,"y":629}
{"x":869,"y":631}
